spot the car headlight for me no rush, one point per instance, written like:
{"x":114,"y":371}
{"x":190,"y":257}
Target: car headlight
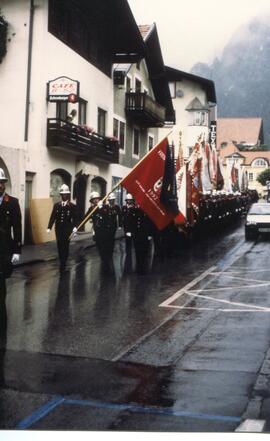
{"x":251,"y":223}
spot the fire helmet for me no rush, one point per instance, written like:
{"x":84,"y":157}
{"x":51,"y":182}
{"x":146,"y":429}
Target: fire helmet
{"x":111,"y":196}
{"x":129,"y":197}
{"x":94,"y":195}
{"x":64,"y":189}
{"x":3,"y":176}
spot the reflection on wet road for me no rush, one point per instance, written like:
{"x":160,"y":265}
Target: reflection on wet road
{"x":180,"y":338}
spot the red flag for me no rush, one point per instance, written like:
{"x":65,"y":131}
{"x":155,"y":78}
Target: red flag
{"x":144,"y":182}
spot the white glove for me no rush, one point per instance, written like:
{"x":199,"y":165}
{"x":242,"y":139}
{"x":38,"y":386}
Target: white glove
{"x":128,"y":234}
{"x":15,"y":258}
{"x":100,"y":204}
{"x":74,"y":230}
{"x":48,"y":230}
{"x":149,"y":237}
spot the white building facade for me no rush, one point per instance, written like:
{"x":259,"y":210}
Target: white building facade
{"x":194,"y":101}
{"x":47,"y":140}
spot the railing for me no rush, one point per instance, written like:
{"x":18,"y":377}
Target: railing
{"x":62,"y":135}
{"x":143,"y":107}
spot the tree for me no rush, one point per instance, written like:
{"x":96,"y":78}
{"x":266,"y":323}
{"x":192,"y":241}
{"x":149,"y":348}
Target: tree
{"x":264,"y":176}
{"x":3,"y":36}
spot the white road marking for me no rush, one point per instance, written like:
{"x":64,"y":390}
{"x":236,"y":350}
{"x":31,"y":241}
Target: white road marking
{"x":223,"y":288}
{"x":240,"y":278}
{"x":186,"y":287}
{"x":190,"y":293}
{"x":252,"y":426}
{"x":219,"y":309}
{"x":240,"y":307}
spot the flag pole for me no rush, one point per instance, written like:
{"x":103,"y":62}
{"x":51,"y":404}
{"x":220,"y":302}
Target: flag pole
{"x":117,"y":185}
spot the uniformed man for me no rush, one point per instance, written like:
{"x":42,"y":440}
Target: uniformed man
{"x":116,"y":210}
{"x":10,"y":240}
{"x":103,"y":219}
{"x":64,"y":216}
{"x":141,"y":237}
{"x":128,"y":216}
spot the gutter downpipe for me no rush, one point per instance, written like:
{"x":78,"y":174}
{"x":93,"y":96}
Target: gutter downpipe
{"x":29,"y":64}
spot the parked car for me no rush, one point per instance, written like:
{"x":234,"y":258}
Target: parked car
{"x":257,"y":220}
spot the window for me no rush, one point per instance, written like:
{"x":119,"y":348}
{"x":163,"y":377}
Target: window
{"x":198,"y":118}
{"x":115,"y":127}
{"x":138,"y":85}
{"x":150,"y":142}
{"x":119,"y":131}
{"x":136,"y":142}
{"x":172,"y":87}
{"x":121,"y":137}
{"x":128,"y":85}
{"x":82,"y":111}
{"x":250,"y":177}
{"x":101,"y":122}
{"x":259,"y":163}
{"x":119,"y":191}
{"x":62,"y":110}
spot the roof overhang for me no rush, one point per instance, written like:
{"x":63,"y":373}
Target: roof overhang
{"x":208,"y":85}
{"x":117,"y":21}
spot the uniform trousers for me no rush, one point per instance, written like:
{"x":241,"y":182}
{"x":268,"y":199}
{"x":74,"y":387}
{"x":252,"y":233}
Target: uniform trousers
{"x":141,"y":245}
{"x":105,"y":245}
{"x":62,"y":238}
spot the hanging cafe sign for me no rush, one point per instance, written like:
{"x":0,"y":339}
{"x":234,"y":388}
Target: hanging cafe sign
{"x":63,"y":89}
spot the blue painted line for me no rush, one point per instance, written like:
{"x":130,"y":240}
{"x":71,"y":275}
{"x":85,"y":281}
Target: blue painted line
{"x":152,"y":410}
{"x":40,"y":413}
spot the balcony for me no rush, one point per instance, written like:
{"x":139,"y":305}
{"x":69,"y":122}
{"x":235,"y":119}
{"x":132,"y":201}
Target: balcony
{"x":144,"y":110}
{"x":81,"y":142}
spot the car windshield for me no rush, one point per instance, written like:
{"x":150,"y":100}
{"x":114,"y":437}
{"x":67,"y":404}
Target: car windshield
{"x":260,"y":209}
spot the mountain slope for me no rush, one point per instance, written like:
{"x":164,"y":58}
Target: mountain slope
{"x":242,"y":74}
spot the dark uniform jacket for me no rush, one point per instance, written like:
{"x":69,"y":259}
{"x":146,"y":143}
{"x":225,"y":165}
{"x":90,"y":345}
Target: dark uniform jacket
{"x":10,"y":232}
{"x":64,"y":217}
{"x":129,"y":218}
{"x":103,"y":220}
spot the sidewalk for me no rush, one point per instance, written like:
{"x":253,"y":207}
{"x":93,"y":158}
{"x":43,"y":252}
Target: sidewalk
{"x":48,"y":251}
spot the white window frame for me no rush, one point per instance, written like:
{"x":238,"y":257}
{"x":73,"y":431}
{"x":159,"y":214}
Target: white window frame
{"x":122,"y":120}
{"x":263,"y":163}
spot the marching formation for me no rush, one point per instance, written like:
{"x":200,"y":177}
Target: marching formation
{"x":166,"y":200}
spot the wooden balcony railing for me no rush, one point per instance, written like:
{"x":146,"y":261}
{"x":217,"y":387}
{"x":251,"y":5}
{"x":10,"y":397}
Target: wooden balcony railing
{"x":65,"y":136}
{"x":143,"y":109}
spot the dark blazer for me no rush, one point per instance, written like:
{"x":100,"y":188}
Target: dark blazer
{"x":64,"y":217}
{"x":10,"y":233}
{"x":10,"y":226}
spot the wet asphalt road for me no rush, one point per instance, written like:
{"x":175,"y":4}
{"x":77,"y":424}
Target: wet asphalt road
{"x":177,"y":349}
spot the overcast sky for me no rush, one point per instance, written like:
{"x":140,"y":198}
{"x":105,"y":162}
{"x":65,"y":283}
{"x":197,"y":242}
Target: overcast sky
{"x":192,"y":31}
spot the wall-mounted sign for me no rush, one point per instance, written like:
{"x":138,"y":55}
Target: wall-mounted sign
{"x":61,"y":88}
{"x":213,"y":134}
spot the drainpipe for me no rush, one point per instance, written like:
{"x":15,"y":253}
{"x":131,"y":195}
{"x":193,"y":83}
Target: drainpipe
{"x":29,"y":63}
